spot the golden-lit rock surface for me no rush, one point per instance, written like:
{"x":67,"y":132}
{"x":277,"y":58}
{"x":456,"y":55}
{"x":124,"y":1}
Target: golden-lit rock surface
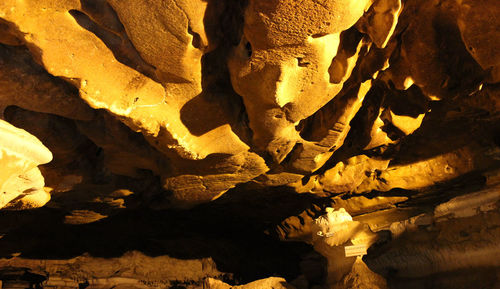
{"x":22,"y":184}
{"x":220,"y":94}
{"x":361,"y":277}
{"x":271,"y":282}
{"x":147,"y":129}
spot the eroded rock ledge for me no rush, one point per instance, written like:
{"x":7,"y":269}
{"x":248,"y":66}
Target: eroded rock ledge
{"x":268,"y":110}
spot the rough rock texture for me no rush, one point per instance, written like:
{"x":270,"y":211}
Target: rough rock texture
{"x":250,"y":118}
{"x":217,"y":94}
{"x":435,"y":248}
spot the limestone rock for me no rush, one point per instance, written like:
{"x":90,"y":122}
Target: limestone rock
{"x":21,"y":153}
{"x":380,"y":21}
{"x":144,"y":272}
{"x":174,"y":50}
{"x":423,"y":174}
{"x":331,"y":234}
{"x":139,"y":101}
{"x":346,"y":177}
{"x":479,"y":35}
{"x":271,"y":282}
{"x":26,"y":84}
{"x":291,"y":67}
{"x":361,"y":277}
{"x":213,"y":130}
{"x":202,"y":96}
{"x":301,"y":227}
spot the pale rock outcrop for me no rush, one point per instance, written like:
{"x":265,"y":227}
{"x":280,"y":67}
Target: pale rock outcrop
{"x":300,"y":227}
{"x":21,"y":183}
{"x":331,"y":234}
{"x":380,"y":21}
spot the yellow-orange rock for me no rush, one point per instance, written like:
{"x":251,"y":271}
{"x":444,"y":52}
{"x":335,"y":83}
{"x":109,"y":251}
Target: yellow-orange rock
{"x":21,"y":153}
{"x":206,"y":95}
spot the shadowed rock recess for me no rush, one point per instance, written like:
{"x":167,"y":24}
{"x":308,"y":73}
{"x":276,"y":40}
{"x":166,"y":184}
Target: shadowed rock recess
{"x":250,"y":144}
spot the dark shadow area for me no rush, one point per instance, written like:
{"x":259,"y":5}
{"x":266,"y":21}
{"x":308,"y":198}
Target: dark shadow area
{"x":218,"y":104}
{"x":230,"y":230}
{"x":20,"y":276}
{"x":445,"y":254}
{"x":464,"y":73}
{"x":210,"y":110}
{"x":74,"y":152}
{"x":484,"y":278}
{"x":359,"y":134}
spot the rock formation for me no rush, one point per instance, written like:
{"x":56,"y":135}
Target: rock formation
{"x":265,"y":111}
{"x":22,"y":184}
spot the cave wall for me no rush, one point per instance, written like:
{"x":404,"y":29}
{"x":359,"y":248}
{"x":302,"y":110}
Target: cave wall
{"x":268,"y":110}
{"x":206,"y":95}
